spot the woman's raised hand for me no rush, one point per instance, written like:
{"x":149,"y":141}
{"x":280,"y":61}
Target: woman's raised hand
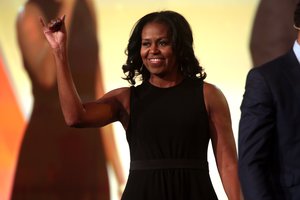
{"x":55,"y":32}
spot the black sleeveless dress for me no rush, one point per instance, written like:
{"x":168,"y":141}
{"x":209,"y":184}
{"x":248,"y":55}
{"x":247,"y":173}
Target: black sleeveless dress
{"x":168,"y":137}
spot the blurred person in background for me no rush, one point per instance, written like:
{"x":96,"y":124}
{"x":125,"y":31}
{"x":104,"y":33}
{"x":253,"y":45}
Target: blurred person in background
{"x":272,"y":33}
{"x":56,"y":161}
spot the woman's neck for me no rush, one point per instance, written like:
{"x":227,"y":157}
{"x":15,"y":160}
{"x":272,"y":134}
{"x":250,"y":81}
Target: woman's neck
{"x":164,"y":82}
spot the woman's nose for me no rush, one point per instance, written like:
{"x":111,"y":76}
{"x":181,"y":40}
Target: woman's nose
{"x":154,"y":49}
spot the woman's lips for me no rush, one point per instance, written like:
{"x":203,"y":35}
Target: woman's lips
{"x":155,"y":60}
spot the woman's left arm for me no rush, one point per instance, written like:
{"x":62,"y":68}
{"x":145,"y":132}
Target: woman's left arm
{"x":223,"y":142}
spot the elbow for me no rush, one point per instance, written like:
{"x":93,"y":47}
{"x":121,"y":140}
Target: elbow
{"x":73,"y":122}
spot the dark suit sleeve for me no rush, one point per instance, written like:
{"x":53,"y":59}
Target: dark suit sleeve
{"x":254,"y":143}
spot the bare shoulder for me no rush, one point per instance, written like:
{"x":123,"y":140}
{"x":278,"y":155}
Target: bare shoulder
{"x":211,"y":90}
{"x":119,"y":92}
{"x":29,"y":11}
{"x":120,"y":95}
{"x":213,"y":96}
{"x":119,"y":99}
{"x":27,"y":20}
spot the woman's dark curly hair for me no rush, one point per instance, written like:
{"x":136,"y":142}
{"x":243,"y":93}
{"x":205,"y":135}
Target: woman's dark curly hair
{"x":182,"y":43}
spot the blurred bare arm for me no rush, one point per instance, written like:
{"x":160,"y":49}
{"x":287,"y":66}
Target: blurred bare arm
{"x":36,"y":53}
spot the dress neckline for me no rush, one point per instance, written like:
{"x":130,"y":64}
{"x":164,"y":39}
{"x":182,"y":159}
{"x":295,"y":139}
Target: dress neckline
{"x":165,"y":88}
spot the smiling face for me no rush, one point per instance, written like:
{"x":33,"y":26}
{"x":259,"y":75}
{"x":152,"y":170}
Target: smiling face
{"x":157,"y":52}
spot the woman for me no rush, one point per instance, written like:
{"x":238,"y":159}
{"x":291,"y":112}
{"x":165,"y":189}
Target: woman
{"x":56,"y":161}
{"x":168,"y":119}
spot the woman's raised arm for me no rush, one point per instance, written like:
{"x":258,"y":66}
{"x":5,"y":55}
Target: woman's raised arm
{"x":113,"y":106}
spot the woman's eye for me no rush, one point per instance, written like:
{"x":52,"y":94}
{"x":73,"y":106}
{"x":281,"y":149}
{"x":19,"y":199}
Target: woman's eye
{"x":145,"y":44}
{"x":163,"y":43}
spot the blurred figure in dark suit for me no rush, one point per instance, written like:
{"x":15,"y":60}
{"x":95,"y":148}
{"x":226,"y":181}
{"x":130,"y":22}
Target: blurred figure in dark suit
{"x":269,"y":132}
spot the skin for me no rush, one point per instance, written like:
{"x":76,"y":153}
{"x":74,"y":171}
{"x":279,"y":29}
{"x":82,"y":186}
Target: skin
{"x":158,"y":57}
{"x":223,"y":142}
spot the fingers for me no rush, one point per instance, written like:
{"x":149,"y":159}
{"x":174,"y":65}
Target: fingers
{"x":54,"y":25}
{"x":42,"y":21}
{"x":63,"y":28}
{"x":45,"y":28}
{"x":63,"y":18}
{"x":63,"y":22}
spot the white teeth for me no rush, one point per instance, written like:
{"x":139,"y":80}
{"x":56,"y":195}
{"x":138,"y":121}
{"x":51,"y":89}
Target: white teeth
{"x":154,"y":59}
